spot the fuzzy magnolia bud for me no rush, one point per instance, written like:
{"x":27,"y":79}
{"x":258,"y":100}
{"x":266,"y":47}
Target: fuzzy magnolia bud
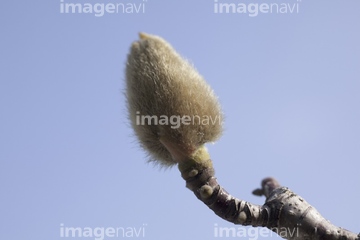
{"x":173,"y":111}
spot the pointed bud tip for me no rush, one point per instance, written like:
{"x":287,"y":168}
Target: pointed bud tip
{"x":143,"y":35}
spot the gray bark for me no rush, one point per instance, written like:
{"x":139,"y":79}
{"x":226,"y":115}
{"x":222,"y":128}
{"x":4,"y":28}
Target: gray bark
{"x":283,"y":212}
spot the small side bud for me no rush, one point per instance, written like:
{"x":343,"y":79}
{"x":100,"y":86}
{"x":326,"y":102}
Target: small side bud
{"x":206,"y":191}
{"x":172,"y":109}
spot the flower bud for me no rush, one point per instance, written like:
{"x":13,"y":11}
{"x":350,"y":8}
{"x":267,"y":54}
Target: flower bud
{"x":173,"y":111}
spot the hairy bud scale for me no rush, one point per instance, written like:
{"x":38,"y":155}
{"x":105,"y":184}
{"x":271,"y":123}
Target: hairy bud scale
{"x":170,"y":105}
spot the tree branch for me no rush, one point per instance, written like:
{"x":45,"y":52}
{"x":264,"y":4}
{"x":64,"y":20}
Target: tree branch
{"x":283,"y":212}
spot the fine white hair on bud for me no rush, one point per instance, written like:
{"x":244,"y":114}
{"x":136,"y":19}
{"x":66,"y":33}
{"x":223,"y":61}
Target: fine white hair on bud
{"x":173,"y":111}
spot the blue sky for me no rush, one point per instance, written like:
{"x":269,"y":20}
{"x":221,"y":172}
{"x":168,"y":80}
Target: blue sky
{"x":288,"y":83}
